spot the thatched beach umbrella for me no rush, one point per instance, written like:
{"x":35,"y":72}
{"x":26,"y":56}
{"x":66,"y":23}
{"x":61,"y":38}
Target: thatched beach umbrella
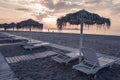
{"x":80,"y":18}
{"x":5,"y":26}
{"x":17,"y":26}
{"x":12,"y":25}
{"x":29,"y":24}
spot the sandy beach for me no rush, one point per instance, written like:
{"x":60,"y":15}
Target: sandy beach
{"x":105,"y":44}
{"x":47,"y":69}
{"x":37,"y":36}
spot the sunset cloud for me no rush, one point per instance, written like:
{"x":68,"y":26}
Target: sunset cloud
{"x":44,"y":9}
{"x":23,"y":9}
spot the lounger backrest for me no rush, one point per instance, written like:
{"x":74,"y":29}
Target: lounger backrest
{"x":90,"y":56}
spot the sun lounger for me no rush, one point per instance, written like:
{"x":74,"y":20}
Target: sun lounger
{"x":65,"y":58}
{"x":68,"y":57}
{"x":31,"y":46}
{"x":6,"y":38}
{"x":91,"y":63}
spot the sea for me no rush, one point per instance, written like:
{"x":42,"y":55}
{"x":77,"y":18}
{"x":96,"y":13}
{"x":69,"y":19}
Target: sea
{"x":100,"y":31}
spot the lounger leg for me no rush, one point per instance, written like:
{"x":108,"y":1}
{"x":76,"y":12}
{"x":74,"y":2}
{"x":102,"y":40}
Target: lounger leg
{"x":66,"y":63}
{"x":111,"y":65}
{"x":93,"y":77}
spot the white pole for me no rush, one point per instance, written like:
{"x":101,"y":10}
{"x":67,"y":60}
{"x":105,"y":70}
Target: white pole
{"x":30,"y":34}
{"x":81,"y":38}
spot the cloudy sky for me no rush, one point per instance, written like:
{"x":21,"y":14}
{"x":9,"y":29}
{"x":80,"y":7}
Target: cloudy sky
{"x":47,"y":11}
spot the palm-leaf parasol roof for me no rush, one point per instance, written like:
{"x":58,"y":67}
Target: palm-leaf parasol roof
{"x":80,"y":18}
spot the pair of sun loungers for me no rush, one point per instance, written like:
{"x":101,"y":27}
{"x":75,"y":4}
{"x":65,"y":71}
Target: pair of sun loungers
{"x":27,"y":44}
{"x":90,"y":63}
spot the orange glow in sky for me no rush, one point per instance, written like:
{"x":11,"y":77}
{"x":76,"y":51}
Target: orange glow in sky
{"x":47,"y":11}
